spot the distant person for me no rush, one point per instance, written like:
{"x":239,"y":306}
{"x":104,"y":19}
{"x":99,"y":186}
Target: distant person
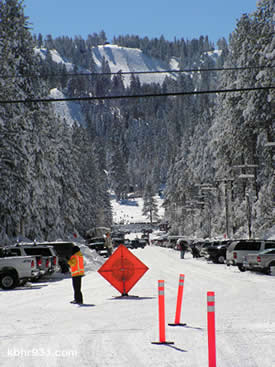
{"x":108,"y":243}
{"x":182,"y":247}
{"x":76,"y":263}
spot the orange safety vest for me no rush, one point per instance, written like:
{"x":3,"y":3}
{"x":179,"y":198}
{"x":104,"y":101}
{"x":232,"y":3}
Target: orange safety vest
{"x":76,"y":263}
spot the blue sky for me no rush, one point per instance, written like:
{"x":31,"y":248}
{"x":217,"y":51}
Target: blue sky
{"x":152,"y":18}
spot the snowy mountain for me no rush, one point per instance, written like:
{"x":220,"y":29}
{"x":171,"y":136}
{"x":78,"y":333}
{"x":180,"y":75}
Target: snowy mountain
{"x":42,"y":52}
{"x":120,"y":59}
{"x":126,"y":60}
{"x":130,"y":60}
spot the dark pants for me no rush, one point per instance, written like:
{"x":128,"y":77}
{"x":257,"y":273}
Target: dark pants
{"x":77,"y":289}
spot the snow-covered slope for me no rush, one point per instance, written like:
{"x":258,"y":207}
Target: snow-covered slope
{"x":128,"y":60}
{"x":42,"y":52}
{"x":70,"y":111}
{"x":133,"y":213}
{"x":119,"y":58}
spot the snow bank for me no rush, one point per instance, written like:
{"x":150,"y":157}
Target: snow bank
{"x":92,"y":260}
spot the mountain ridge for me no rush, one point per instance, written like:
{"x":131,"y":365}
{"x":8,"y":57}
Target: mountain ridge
{"x":127,"y":59}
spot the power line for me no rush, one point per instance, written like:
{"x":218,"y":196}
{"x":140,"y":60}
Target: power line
{"x":74,"y":99}
{"x":172,"y":71}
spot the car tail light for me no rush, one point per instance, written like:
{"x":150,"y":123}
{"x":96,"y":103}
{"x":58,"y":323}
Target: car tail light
{"x":54,"y":260}
{"x":32,"y":264}
{"x":234,"y":255}
{"x":39,"y":262}
{"x":258,"y":259}
{"x":47,"y":263}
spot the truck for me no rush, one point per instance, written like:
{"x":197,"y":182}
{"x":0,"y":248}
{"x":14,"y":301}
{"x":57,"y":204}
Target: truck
{"x":262,"y":261}
{"x":238,"y":249}
{"x":16,"y":271}
{"x":44,"y":256}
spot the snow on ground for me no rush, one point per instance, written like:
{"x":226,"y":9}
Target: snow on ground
{"x":133,"y":213}
{"x":39,"y":327}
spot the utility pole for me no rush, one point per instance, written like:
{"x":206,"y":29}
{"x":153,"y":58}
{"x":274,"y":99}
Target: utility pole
{"x":247,"y":176}
{"x":191,"y":208}
{"x":208,"y":188}
{"x":249,"y":214}
{"x":271,"y":145}
{"x":227,"y":203}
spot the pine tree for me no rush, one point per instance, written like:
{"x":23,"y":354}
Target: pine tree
{"x":118,"y":174}
{"x":16,"y":59}
{"x":150,"y":207}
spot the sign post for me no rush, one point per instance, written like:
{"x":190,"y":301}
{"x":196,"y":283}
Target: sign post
{"x":211,"y":329}
{"x":122,"y":270}
{"x":179,"y":302}
{"x":162,"y":339}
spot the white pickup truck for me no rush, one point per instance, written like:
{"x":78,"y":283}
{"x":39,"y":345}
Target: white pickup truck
{"x":15,"y":271}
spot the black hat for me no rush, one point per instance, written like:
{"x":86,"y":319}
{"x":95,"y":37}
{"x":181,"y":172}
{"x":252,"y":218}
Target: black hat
{"x":75,"y":249}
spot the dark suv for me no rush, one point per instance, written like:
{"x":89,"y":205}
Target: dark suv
{"x":138,"y":243}
{"x":216,"y":251}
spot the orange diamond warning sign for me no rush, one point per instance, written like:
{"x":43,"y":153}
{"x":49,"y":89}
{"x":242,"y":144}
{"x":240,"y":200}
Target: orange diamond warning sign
{"x":123,"y":269}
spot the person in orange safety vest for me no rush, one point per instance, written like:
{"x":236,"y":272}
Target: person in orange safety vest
{"x":76,"y":263}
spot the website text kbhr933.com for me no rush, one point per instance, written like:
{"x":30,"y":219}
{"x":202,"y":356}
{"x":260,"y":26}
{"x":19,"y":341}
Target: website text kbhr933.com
{"x":41,"y":352}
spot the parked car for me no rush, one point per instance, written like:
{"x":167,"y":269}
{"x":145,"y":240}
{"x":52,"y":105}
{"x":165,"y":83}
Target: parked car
{"x":48,"y":253}
{"x":98,"y":244}
{"x":238,"y":249}
{"x":138,"y":243}
{"x":97,"y":232}
{"x":63,"y":250}
{"x":262,"y":261}
{"x":46,"y":259}
{"x":160,"y":241}
{"x":196,"y":247}
{"x":118,"y":238}
{"x":216,"y":252}
{"x":128,"y":243}
{"x":203,"y":249}
{"x":16,"y":271}
{"x":118,"y":241}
